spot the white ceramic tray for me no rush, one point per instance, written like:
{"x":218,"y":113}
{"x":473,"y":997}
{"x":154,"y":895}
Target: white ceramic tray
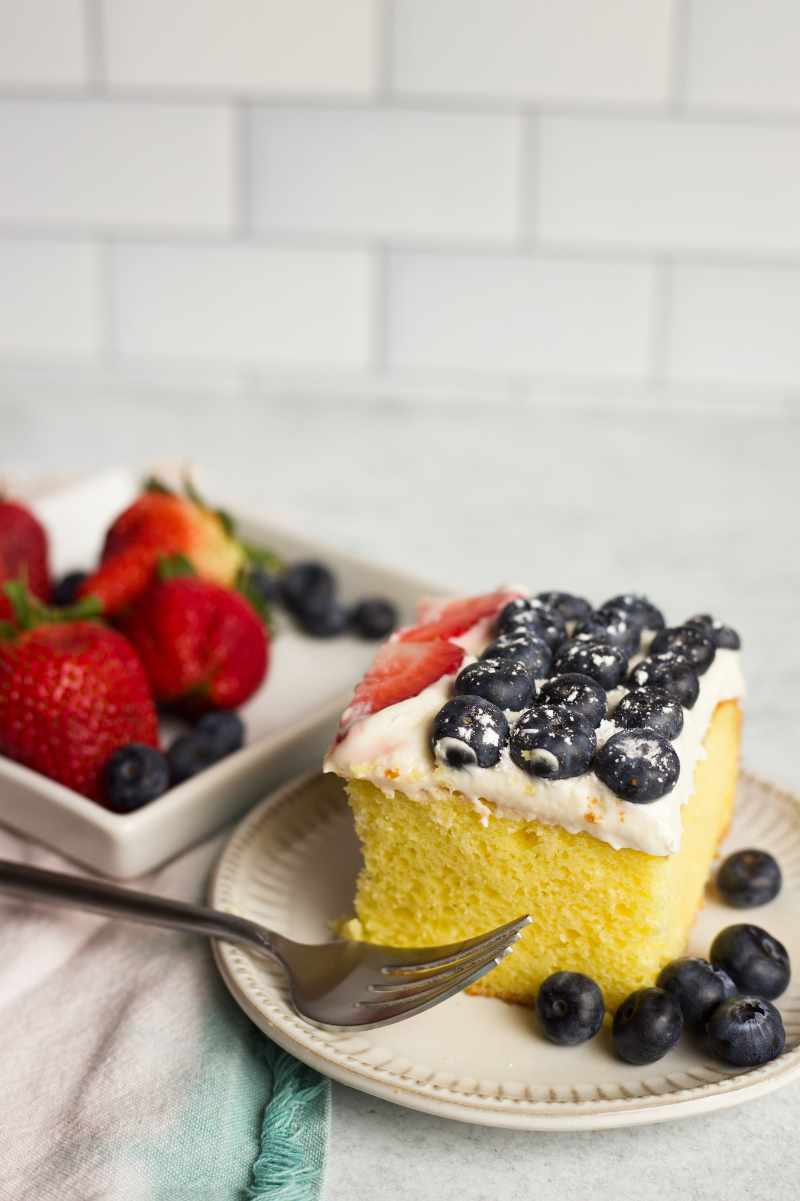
{"x":291,"y":865}
{"x":289,"y":721}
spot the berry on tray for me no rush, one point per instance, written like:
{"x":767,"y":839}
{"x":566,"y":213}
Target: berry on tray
{"x":571,"y":608}
{"x":223,"y":731}
{"x":525,"y":647}
{"x":570,"y":1008}
{"x":65,"y":591}
{"x":188,"y":755}
{"x":745,"y":1032}
{"x":373,"y":618}
{"x":469,"y":731}
{"x":749,"y":878}
{"x":552,"y":742}
{"x":691,"y":641}
{"x":307,"y":588}
{"x":697,"y":986}
{"x":755,"y":961}
{"x":638,"y":765}
{"x":526,"y":613}
{"x":134,"y":775}
{"x":599,"y":660}
{"x":579,"y":693}
{"x":654,"y":708}
{"x":638,"y":609}
{"x":400,"y":670}
{"x":323,"y":623}
{"x":507,"y":683}
{"x":23,"y":552}
{"x":646,"y":1025}
{"x":669,"y":670}
{"x":263,"y":584}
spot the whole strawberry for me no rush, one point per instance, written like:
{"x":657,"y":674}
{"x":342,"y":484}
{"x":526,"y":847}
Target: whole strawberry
{"x":71,"y":693}
{"x":23,"y":552}
{"x":161,"y":523}
{"x":203,"y":646}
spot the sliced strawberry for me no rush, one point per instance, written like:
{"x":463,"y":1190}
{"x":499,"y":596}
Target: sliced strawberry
{"x":457,"y":616}
{"x":400,"y":670}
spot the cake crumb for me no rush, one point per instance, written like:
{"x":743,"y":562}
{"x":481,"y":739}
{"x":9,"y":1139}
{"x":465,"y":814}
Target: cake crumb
{"x":391,"y":774}
{"x":590,"y":817}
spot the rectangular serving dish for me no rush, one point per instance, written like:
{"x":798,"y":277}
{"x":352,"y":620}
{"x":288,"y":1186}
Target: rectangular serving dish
{"x":289,"y":721}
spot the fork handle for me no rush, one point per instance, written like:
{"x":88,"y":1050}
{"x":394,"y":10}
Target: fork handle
{"x":59,"y":888}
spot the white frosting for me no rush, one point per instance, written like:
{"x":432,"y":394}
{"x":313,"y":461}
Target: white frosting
{"x":390,"y":749}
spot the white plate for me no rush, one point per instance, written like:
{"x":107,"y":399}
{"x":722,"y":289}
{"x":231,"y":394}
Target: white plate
{"x":289,"y":721}
{"x":291,"y":865}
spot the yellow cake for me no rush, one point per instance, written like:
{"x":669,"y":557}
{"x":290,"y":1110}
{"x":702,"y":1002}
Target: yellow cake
{"x":452,"y":849}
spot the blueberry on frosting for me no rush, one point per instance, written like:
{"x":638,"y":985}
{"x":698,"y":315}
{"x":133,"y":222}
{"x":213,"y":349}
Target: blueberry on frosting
{"x":610,"y":625}
{"x":552,"y":742}
{"x":528,"y":613}
{"x":692,"y":641}
{"x":507,"y":683}
{"x":469,"y":731}
{"x":599,"y":660}
{"x":527,"y":648}
{"x":638,"y":765}
{"x":571,"y":608}
{"x":654,"y":708}
{"x":725,"y":638}
{"x":581,"y":695}
{"x":639,"y":610}
{"x":669,"y":670}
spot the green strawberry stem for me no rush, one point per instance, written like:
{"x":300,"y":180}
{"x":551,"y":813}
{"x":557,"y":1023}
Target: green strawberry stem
{"x":29,"y":612}
{"x":172,"y":567}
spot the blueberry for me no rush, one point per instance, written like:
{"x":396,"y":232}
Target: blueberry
{"x":469,"y":732}
{"x":745,"y":1032}
{"x":571,"y":608}
{"x":654,"y":708}
{"x":570,"y":1008}
{"x":668,"y":670}
{"x":65,"y":590}
{"x":610,"y":625}
{"x":755,"y":961}
{"x":526,"y":613}
{"x":527,"y":648}
{"x":188,"y":755}
{"x":638,"y":765}
{"x":697,"y":986}
{"x":134,"y":775}
{"x":579,"y":693}
{"x":749,"y":878}
{"x":307,"y":588}
{"x":373,"y":618}
{"x":599,"y":660}
{"x":264,"y":584}
{"x":646,"y":1025}
{"x":507,"y":683}
{"x":639,"y":609}
{"x":324,"y":623}
{"x":552,"y":742}
{"x":222,"y":731}
{"x":690,"y":641}
{"x":725,"y":638}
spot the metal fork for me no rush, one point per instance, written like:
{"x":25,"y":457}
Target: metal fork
{"x":336,"y":985}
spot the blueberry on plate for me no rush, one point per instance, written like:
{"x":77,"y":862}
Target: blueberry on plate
{"x":264,"y":584}
{"x":579,"y":693}
{"x":222,"y":731}
{"x":599,"y":660}
{"x":65,"y":590}
{"x":697,"y":986}
{"x":528,"y":613}
{"x":638,"y":766}
{"x":373,"y":617}
{"x":571,"y":608}
{"x":610,"y":625}
{"x":668,"y":670}
{"x":552,"y":742}
{"x":570,"y":1007}
{"x":647,"y":1024}
{"x":507,"y":683}
{"x":745,"y":1032}
{"x":526,"y":647}
{"x":133,"y":775}
{"x":652,"y":708}
{"x":307,"y":588}
{"x":749,"y":878}
{"x":639,"y":609}
{"x":188,"y":755}
{"x":725,"y":638}
{"x":755,"y":961}
{"x":469,"y":731}
{"x":692,"y":642}
{"x":323,"y":623}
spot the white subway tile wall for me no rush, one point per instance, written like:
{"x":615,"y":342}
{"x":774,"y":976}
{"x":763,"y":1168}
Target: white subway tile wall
{"x":506,"y":193}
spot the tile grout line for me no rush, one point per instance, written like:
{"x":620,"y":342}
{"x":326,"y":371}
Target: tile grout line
{"x":679,"y":57}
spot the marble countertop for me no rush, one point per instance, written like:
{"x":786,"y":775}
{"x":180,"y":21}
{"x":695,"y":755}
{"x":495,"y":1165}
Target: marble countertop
{"x":697,"y":508}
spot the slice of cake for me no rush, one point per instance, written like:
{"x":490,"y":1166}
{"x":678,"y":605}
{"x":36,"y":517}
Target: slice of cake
{"x":512,"y":754}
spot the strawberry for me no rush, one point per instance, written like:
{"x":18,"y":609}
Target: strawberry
{"x":23,"y":552}
{"x":400,"y":670}
{"x":162,"y":523}
{"x":457,"y":616}
{"x":71,"y":693}
{"x":203,"y":646}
